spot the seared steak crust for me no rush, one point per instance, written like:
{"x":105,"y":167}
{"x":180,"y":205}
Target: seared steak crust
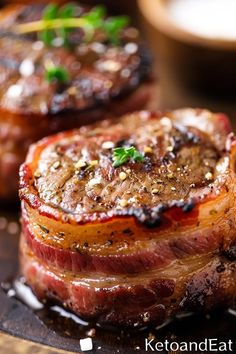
{"x":162,"y":238}
{"x":104,"y":81}
{"x":98,"y":71}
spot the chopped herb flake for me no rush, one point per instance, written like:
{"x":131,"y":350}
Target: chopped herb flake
{"x":56,"y":73}
{"x":44,"y":229}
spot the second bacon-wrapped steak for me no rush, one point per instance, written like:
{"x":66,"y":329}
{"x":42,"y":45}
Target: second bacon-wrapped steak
{"x":50,"y":87}
{"x":132,"y":239}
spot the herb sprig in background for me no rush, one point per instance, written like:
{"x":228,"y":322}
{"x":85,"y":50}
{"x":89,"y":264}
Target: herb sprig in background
{"x":58,"y":22}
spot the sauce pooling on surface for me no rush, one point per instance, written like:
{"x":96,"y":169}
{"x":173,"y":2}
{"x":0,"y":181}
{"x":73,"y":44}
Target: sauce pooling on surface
{"x":72,"y":329}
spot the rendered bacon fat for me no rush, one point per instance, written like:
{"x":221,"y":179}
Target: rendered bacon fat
{"x":141,"y":242}
{"x":104,"y":80}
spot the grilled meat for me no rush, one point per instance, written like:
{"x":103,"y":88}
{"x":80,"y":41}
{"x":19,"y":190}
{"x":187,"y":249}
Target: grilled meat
{"x":105,"y":80}
{"x":141,"y":242}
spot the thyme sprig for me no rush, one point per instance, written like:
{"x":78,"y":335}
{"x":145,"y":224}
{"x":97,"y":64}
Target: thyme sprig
{"x":122,"y":155}
{"x":60,"y":21}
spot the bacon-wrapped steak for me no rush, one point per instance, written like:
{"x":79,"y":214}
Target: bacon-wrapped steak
{"x":92,"y":80}
{"x":134,"y":241}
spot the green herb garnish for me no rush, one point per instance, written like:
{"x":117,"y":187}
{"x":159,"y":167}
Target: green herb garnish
{"x":54,"y":12}
{"x":67,"y":11}
{"x":113,"y":27}
{"x":122,"y":155}
{"x":60,"y":21}
{"x":50,"y":12}
{"x":56,"y":73}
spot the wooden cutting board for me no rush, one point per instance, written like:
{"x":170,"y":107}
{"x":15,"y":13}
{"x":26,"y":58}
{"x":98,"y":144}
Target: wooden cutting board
{"x":13,"y":345}
{"x":23,"y":330}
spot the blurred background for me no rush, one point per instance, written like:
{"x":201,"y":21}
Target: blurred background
{"x":193,"y":43}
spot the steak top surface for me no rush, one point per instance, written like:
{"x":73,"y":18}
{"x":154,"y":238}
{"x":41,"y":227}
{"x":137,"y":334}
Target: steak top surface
{"x":180,"y":161}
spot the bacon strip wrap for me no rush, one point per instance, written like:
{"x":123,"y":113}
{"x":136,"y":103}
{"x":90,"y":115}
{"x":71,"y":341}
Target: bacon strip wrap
{"x":152,"y":260}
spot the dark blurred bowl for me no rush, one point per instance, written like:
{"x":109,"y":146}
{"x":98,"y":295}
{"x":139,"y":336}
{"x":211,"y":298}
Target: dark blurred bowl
{"x":202,"y":63}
